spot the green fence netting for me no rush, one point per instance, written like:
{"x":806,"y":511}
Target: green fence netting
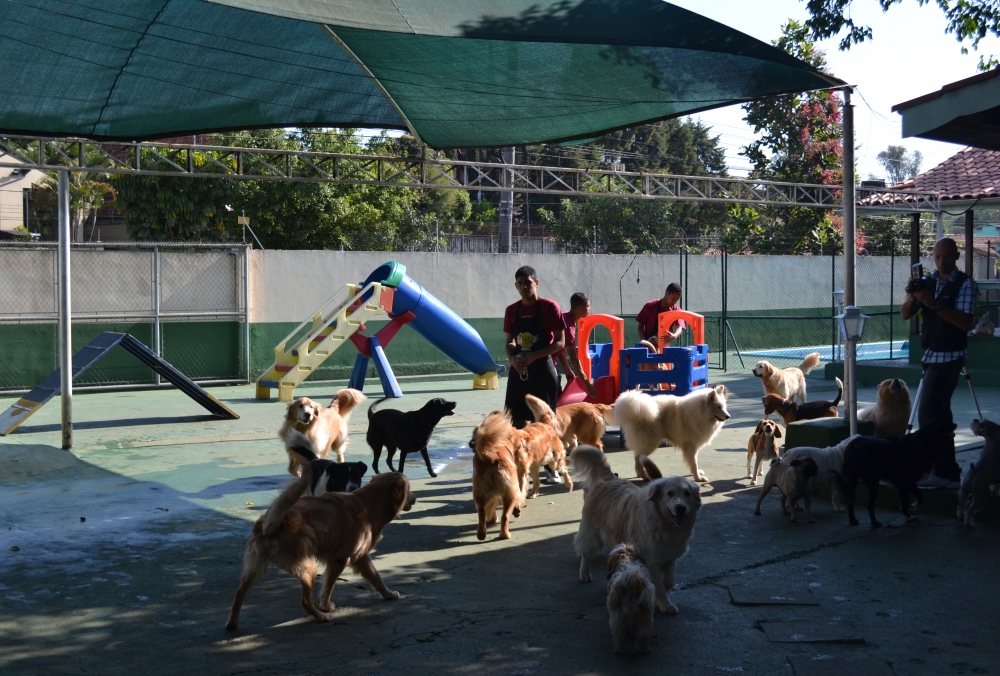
{"x":457,"y":73}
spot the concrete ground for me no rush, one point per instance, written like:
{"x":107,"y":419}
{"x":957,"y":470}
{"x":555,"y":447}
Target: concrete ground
{"x":122,"y":557}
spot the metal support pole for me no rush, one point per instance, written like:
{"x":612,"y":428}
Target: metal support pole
{"x":157,"y":337}
{"x":850,"y":287}
{"x":914,"y":259}
{"x":506,"y":201}
{"x":246,"y":310}
{"x":65,"y":315}
{"x":970,"y":254}
{"x":939,"y":226}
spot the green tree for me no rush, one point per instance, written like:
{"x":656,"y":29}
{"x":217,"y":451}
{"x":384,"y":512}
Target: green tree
{"x":800,"y":142}
{"x":88,"y":192}
{"x":968,"y":20}
{"x":899,"y":164}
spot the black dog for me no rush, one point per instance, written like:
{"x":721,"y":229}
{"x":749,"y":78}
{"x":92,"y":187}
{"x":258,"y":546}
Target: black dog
{"x":901,"y":461}
{"x":327,"y":476}
{"x":409,"y":432}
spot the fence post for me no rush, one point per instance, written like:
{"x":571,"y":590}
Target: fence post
{"x":725,"y":308}
{"x":246,"y":309}
{"x":892,"y":292}
{"x":157,"y":339}
{"x":65,"y":315}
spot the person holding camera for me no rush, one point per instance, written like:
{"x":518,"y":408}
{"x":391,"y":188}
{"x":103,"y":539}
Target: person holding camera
{"x":946,"y":301}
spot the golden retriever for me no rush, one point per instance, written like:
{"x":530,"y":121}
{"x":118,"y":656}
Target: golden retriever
{"x":326,"y":427}
{"x":689,"y":422}
{"x":581,"y":423}
{"x":891,"y":411}
{"x":631,"y":599}
{"x":763,"y":445}
{"x":657,"y":519}
{"x":339,"y":529}
{"x":495,"y":479}
{"x":787,"y":383}
{"x":539,"y":444}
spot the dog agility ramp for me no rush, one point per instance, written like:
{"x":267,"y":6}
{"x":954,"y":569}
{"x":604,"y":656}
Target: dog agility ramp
{"x":90,"y":355}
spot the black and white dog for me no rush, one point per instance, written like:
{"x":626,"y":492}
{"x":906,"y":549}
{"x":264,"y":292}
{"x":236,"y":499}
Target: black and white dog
{"x":408,"y":432}
{"x":328,"y":476}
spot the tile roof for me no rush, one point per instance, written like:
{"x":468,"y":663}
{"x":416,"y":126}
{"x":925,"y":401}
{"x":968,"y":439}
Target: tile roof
{"x":973,"y":173}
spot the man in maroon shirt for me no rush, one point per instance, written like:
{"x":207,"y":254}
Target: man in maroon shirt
{"x":534,"y":329}
{"x":649,"y":315}
{"x":579,"y":307}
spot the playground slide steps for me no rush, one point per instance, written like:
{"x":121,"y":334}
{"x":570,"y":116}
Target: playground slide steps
{"x":333,"y":324}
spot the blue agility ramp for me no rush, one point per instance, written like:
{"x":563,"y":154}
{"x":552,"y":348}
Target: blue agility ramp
{"x":90,"y":355}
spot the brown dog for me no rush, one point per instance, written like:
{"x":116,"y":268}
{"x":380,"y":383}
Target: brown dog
{"x":793,"y":482}
{"x":631,"y":599}
{"x":791,"y":411}
{"x":763,"y":445}
{"x":787,"y":383}
{"x":326,"y":427}
{"x":539,"y":444}
{"x":581,"y":423}
{"x":339,"y":529}
{"x":891,"y":411}
{"x":494,"y":473}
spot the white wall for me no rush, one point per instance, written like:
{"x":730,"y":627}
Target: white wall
{"x":12,"y":193}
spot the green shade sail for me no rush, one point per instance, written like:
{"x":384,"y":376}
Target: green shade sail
{"x":456,"y":73}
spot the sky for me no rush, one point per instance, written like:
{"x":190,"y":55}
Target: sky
{"x":909,"y":55}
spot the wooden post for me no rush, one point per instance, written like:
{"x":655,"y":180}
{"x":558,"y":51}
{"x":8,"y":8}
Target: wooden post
{"x":970,"y":256}
{"x":914,"y":259}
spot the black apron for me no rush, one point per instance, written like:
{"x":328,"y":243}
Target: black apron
{"x":542,"y":381}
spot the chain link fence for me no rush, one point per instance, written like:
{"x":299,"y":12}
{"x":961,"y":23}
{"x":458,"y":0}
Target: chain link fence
{"x":187,"y":302}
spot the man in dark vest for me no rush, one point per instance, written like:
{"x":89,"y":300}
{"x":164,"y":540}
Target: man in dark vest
{"x":948,"y":314}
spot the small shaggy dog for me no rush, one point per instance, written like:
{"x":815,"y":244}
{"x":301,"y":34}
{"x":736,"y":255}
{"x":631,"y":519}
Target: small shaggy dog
{"x":763,"y":445}
{"x":689,"y":422}
{"x":787,"y":383}
{"x":326,"y":427}
{"x":983,"y":476}
{"x":791,"y":411}
{"x":495,"y":479}
{"x":581,"y":423}
{"x":409,"y":432}
{"x":539,"y":444}
{"x":327,"y":476}
{"x":631,"y":599}
{"x":828,"y":460}
{"x":984,"y":327}
{"x":793,"y":482}
{"x":901,"y":461}
{"x":657,"y":519}
{"x":891,"y":411}
{"x":339,"y":529}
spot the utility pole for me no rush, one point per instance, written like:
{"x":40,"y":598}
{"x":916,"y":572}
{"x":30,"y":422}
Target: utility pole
{"x":506,"y":201}
{"x":850,"y":252}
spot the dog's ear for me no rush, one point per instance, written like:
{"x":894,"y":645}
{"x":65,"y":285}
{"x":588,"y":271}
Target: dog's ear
{"x":363,"y":467}
{"x":760,"y":427}
{"x":721,"y":391}
{"x":777,"y":432}
{"x":655,"y":492}
{"x":795,"y":463}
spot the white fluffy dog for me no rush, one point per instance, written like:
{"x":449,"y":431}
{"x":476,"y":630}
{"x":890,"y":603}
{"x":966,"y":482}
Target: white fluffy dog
{"x":829,"y":461}
{"x":657,"y":519}
{"x":789,"y":383}
{"x":689,"y":422}
{"x":891,"y":410}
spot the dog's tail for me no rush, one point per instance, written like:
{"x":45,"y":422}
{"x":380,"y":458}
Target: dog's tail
{"x":591,"y":465}
{"x":635,"y":408}
{"x":652,"y":471}
{"x":346,"y":400}
{"x":275,"y":514}
{"x":300,"y":444}
{"x":371,"y":409}
{"x":607,"y":412}
{"x":649,"y":346}
{"x":809,"y":363}
{"x":540,"y":410}
{"x":497,"y":426}
{"x":840,"y":394}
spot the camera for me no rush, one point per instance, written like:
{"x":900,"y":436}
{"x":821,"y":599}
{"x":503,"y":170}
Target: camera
{"x":919,"y":281}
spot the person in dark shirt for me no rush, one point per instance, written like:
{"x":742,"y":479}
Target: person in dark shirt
{"x":648,"y":316}
{"x":535,"y":331}
{"x":579,"y":307}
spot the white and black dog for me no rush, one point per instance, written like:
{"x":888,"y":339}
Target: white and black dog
{"x":328,"y":476}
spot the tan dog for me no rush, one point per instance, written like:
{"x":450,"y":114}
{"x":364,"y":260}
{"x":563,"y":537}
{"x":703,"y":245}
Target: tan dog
{"x":763,"y":445}
{"x":581,"y":423}
{"x":631,"y":599}
{"x":339,"y":529}
{"x":494,"y":473}
{"x":326,"y":427}
{"x":891,"y":411}
{"x":787,"y":383}
{"x":793,"y":482}
{"x":539,"y":444}
{"x":792,"y":411}
{"x":657,"y":519}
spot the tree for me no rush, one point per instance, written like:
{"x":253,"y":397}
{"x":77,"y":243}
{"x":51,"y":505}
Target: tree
{"x":88,"y":192}
{"x":900,"y":165}
{"x":969,"y":20}
{"x":800,"y":142}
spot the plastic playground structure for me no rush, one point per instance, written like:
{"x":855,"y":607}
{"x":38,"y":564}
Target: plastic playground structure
{"x":388,"y":289}
{"x":613,"y":368}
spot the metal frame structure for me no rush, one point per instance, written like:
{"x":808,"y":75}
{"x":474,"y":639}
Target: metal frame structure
{"x":210,"y":161}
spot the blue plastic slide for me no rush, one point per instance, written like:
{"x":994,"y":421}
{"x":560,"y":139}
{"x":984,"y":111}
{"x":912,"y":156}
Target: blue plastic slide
{"x":435,"y":321}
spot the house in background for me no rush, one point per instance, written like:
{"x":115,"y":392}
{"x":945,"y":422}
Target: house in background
{"x":13,"y":183}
